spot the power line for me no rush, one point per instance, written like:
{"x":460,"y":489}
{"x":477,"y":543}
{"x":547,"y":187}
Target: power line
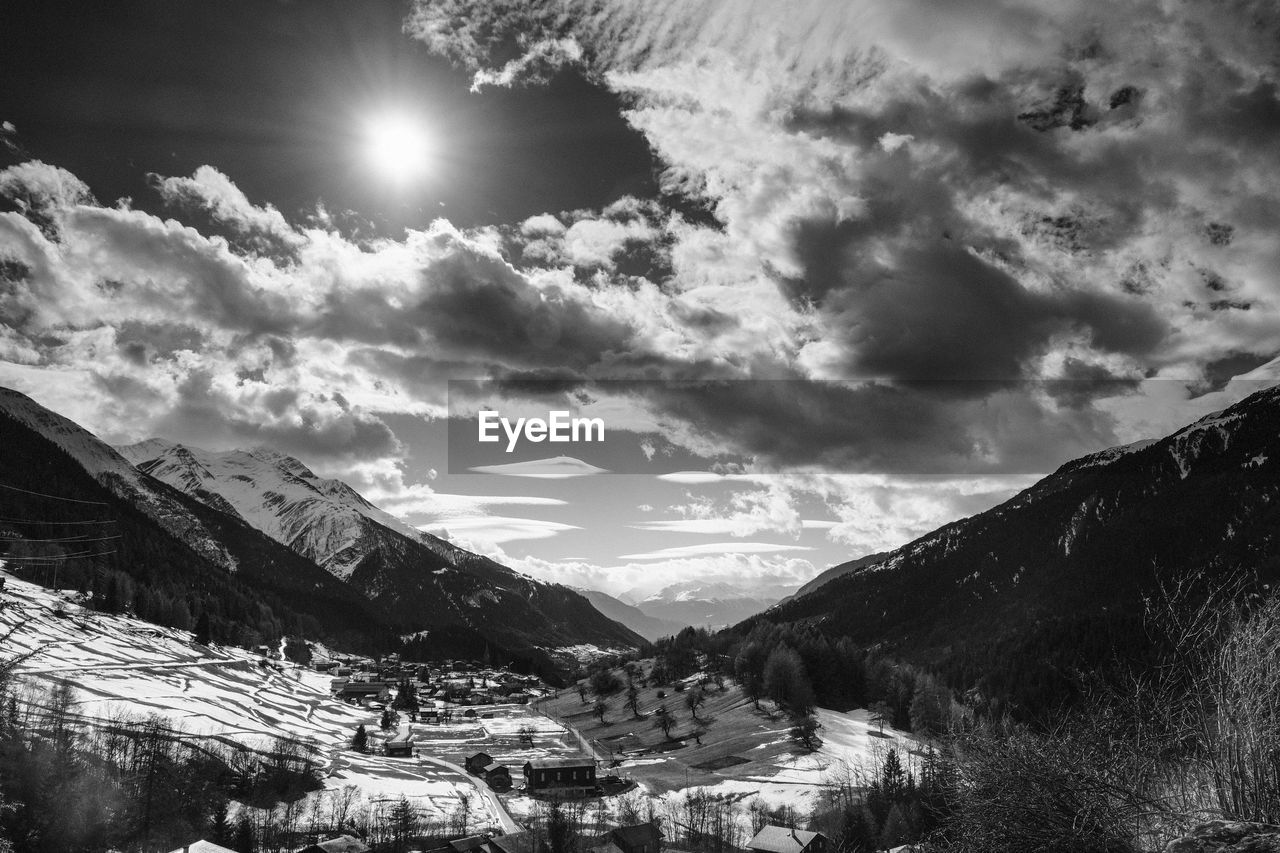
{"x":50,"y":497}
{"x":4,"y":539}
{"x":77,"y":555}
{"x":43,"y":521}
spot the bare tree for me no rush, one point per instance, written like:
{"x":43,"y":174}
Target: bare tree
{"x":693,"y":701}
{"x":665,"y":720}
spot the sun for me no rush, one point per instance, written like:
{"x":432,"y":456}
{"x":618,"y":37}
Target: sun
{"x":397,"y":147}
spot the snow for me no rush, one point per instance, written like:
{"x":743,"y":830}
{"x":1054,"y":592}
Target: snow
{"x":324,"y":520}
{"x":852,"y":745}
{"x":115,"y":473}
{"x":1111,"y":454}
{"x":120,"y":664}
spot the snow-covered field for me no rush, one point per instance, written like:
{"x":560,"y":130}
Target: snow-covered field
{"x":124,"y":666}
{"x":120,"y":665}
{"x":851,"y":745}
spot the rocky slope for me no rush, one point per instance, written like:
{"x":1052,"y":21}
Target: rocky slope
{"x":422,"y":581}
{"x":1070,"y":559}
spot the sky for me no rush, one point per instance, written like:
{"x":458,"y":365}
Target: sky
{"x":830,"y":272}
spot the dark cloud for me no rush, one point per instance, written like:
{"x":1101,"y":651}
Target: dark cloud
{"x":890,"y":428}
{"x":279,"y":417}
{"x":940,"y":312}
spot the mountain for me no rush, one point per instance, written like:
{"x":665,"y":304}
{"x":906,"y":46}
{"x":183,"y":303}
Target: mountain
{"x":649,"y":627}
{"x":1054,"y":578}
{"x":76,"y":513}
{"x":421,"y":581}
{"x":837,"y":571}
{"x":710,"y":604}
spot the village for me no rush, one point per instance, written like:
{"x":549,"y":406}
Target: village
{"x":501,"y":729}
{"x":448,"y":755}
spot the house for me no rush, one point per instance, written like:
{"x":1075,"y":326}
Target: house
{"x":202,"y":846}
{"x":562,"y":775}
{"x":637,"y":838}
{"x":400,"y":746}
{"x":468,"y":844}
{"x":498,"y":777}
{"x":515,"y":842}
{"x":478,"y":762}
{"x":780,"y":839}
{"x":341,"y":844}
{"x":359,"y":691}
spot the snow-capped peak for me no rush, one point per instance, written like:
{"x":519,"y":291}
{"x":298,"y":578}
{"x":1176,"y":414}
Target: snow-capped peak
{"x":110,"y":468}
{"x":322,"y":519}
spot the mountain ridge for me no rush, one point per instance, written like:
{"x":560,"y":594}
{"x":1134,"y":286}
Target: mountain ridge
{"x":1081,"y":547}
{"x":394,"y":582}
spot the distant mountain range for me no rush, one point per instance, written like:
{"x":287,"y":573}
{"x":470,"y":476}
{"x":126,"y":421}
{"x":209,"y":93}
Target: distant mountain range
{"x":1058,"y":573}
{"x":262,"y":519}
{"x":708,"y":604}
{"x":649,"y":627}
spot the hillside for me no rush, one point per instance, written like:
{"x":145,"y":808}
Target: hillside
{"x":421,"y":581}
{"x":733,"y":748}
{"x":234,"y":533}
{"x":1054,"y":577}
{"x":837,"y":571}
{"x":120,"y":666}
{"x":89,"y":520}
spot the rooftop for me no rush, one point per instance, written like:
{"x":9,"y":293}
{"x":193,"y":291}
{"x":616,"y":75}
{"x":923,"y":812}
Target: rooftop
{"x":780,"y":839}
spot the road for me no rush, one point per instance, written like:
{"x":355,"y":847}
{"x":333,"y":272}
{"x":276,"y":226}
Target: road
{"x":505,"y":819}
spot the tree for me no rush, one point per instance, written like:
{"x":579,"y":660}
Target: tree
{"x":633,"y":700}
{"x":893,"y":779}
{"x":404,"y":823}
{"x":582,"y":691}
{"x":881,"y":713}
{"x":559,"y":829}
{"x":930,"y":709}
{"x":785,"y":681}
{"x":897,"y":828}
{"x":804,"y":731}
{"x":385,"y":722}
{"x":360,"y":740}
{"x":605,"y":683}
{"x":406,"y":697}
{"x":220,"y":823}
{"x":693,"y":701}
{"x":244,"y":835}
{"x":665,"y":720}
{"x":525,"y":734}
{"x":598,"y":710}
{"x":748,"y":666}
{"x":204,"y":631}
{"x":857,"y":832}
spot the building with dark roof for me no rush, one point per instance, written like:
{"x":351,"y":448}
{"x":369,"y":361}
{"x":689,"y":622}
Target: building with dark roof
{"x":399,"y":746}
{"x":341,"y":844}
{"x":560,"y":775}
{"x":637,"y":838}
{"x":780,"y":839}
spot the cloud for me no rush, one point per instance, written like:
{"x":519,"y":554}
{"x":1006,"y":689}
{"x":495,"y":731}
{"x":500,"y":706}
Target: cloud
{"x":718,"y":526}
{"x":997,"y":191}
{"x":486,"y":531}
{"x":645,"y":577}
{"x":714,"y":548}
{"x":554,"y":468}
{"x":913,"y":221}
{"x":260,"y":229}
